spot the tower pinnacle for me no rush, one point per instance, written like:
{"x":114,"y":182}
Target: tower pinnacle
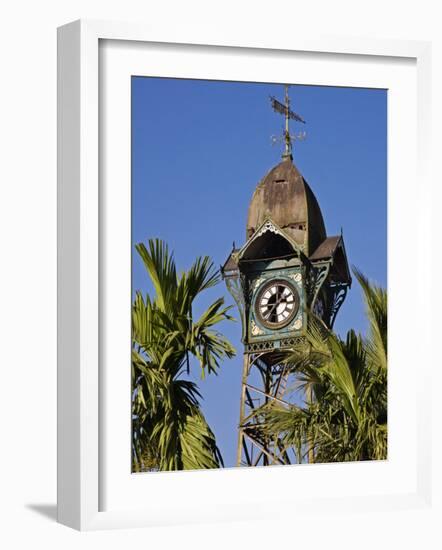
{"x":287,"y":137}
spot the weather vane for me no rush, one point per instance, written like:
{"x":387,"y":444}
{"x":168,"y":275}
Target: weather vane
{"x":287,"y":137}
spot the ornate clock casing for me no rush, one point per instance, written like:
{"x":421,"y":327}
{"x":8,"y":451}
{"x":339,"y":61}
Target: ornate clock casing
{"x":277,"y":304}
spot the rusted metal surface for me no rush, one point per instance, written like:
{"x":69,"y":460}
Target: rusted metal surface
{"x":231,"y":262}
{"x":285,"y":196}
{"x":333,"y":249}
{"x":326,"y":249}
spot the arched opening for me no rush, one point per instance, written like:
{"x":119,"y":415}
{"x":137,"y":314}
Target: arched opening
{"x":269,"y":246}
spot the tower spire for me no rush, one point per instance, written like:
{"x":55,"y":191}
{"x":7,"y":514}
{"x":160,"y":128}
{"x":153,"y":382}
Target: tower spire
{"x":287,"y":137}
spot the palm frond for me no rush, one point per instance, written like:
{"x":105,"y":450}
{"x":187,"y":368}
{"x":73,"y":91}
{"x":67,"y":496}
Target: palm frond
{"x":347,"y":418}
{"x":161,"y":268}
{"x":376,"y":307}
{"x":169,"y":429}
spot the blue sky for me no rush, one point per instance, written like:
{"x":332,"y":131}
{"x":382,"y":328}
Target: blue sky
{"x":199,"y":148}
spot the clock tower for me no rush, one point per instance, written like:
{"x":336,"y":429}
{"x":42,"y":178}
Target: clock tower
{"x":287,"y":267}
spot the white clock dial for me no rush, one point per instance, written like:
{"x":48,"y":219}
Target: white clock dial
{"x":277,"y":303}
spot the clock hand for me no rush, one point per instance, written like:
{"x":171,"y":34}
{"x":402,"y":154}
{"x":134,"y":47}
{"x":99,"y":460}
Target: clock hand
{"x":270,"y":311}
{"x":278,"y":300}
{"x":281,"y":298}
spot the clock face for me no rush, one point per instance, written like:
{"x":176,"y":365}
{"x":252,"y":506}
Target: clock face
{"x":277,"y":303}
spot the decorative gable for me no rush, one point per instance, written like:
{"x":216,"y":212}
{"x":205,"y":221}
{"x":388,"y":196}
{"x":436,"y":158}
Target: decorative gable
{"x":269,"y":242}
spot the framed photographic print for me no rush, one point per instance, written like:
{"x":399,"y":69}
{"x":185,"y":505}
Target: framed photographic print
{"x":232,"y":218}
{"x":288,"y":277}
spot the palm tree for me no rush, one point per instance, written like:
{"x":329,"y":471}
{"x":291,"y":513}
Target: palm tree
{"x":346,"y":419}
{"x":168,"y":427}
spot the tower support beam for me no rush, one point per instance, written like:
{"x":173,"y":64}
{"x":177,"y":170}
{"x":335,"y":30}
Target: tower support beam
{"x":255,"y":447}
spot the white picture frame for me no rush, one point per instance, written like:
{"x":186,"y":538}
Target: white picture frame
{"x":81,"y":441}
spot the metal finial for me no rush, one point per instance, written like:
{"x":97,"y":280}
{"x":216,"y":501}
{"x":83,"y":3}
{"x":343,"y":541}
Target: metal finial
{"x":287,"y":137}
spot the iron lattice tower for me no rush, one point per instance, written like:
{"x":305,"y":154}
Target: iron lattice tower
{"x":254,"y":447}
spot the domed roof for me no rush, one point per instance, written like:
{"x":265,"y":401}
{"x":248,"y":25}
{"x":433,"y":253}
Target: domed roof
{"x":285,"y":197}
